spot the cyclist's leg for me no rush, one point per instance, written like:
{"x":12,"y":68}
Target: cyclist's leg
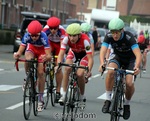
{"x":69,"y":60}
{"x":129,"y":91}
{"x":109,"y":82}
{"x":29,"y":53}
{"x":59,"y":76}
{"x":41,"y":78}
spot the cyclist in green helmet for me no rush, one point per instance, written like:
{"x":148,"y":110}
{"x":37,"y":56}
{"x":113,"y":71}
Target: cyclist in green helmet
{"x":80,"y":49}
{"x":126,"y":53}
{"x":86,"y":29}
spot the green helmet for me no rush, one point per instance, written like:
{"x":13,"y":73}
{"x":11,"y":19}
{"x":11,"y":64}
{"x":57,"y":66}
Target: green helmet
{"x":85,"y":27}
{"x":73,"y":29}
{"x":116,"y":24}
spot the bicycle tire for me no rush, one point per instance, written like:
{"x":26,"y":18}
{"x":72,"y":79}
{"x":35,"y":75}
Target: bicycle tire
{"x":27,"y":98}
{"x":35,"y":99}
{"x":67,"y":104}
{"x":52,"y":86}
{"x":76,"y":98}
{"x":114,"y":106}
{"x":47,"y":89}
{"x":53,"y":96}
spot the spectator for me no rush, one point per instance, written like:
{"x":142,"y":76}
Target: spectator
{"x":95,"y":36}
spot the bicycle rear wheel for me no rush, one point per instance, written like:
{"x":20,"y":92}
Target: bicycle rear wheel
{"x":27,"y":98}
{"x":67,"y":104}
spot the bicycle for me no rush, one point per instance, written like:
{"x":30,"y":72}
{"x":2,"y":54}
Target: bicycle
{"x":49,"y":82}
{"x":117,"y":101}
{"x":72,"y":98}
{"x":30,"y":95}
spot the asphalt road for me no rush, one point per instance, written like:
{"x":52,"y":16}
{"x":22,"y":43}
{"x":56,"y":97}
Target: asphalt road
{"x":11,"y":95}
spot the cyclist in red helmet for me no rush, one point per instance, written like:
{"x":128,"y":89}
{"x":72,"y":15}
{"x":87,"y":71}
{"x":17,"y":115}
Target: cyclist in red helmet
{"x":55,"y":34}
{"x":33,"y":41}
{"x":144,"y":49}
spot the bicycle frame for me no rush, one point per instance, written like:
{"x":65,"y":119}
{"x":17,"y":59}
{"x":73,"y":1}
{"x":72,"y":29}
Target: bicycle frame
{"x":30,"y":88}
{"x":50,"y":86}
{"x":117,"y":101}
{"x":72,"y":94}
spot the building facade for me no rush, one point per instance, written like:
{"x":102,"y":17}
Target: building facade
{"x":10,"y":10}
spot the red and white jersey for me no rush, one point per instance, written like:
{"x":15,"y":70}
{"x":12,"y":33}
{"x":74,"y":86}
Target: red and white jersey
{"x":60,"y":34}
{"x":83,"y":44}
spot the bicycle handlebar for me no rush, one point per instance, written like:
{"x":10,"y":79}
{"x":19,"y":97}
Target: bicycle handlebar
{"x":115,"y":69}
{"x":73,"y":66}
{"x":34,"y":60}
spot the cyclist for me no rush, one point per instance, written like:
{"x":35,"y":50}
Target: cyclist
{"x":126,"y":53}
{"x":144,"y":49}
{"x":86,"y":29}
{"x":79,"y":49}
{"x":55,"y":33}
{"x":36,"y":44}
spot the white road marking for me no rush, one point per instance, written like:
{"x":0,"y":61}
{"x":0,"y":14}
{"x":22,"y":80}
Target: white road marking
{"x":21,"y":103}
{"x":1,"y":69}
{"x":8,"y":87}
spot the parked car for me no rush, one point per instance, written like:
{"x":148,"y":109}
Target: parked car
{"x":28,"y":17}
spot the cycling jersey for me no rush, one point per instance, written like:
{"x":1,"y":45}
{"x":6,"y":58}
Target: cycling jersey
{"x":60,"y":34}
{"x":91,"y":38}
{"x":124,"y":46}
{"x":79,"y":50}
{"x":55,"y":39}
{"x":42,"y":41}
{"x":82,"y":45}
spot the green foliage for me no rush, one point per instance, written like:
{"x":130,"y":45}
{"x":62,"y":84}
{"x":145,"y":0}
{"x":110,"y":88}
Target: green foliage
{"x":128,"y":19}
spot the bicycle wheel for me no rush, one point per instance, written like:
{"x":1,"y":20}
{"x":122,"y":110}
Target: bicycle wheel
{"x":52,"y":85}
{"x":27,"y":98}
{"x":114,"y":107}
{"x":53,"y":94}
{"x":75,"y":102}
{"x":67,"y":104}
{"x":47,"y":90}
{"x":35,"y":99}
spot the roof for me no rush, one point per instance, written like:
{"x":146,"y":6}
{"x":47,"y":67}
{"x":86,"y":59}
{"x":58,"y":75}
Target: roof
{"x":143,"y":8}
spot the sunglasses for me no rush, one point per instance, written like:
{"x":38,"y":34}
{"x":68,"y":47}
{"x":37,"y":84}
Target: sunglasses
{"x":84,"y":32}
{"x":115,"y":31}
{"x":73,"y":35}
{"x":36,"y":35}
{"x":53,"y":28}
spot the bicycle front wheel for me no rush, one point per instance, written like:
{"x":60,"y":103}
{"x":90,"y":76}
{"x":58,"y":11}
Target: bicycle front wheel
{"x":75,"y":101}
{"x":27,"y":98}
{"x":47,"y":90}
{"x":35,"y":99}
{"x":67,"y":104}
{"x":114,"y":107}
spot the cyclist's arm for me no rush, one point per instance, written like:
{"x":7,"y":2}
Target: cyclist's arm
{"x":138,"y":56}
{"x":103,"y":52}
{"x":60,"y":56}
{"x":48,"y":54}
{"x":19,"y":52}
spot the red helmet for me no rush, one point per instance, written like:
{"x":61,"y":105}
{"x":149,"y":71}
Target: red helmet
{"x":53,"y":22}
{"x":141,"y":39}
{"x":34,"y":27}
